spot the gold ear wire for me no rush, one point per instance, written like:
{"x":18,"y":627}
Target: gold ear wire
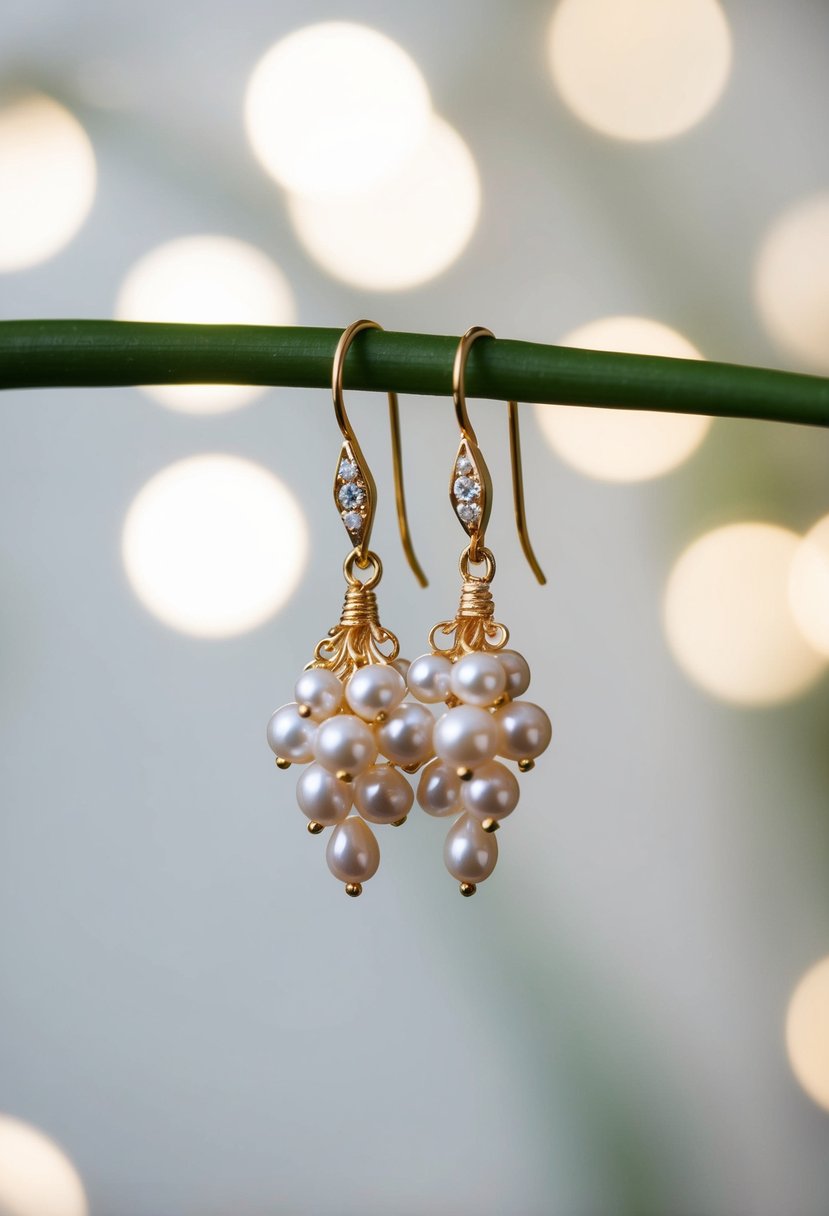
{"x":361,"y":548}
{"x":476,"y":532}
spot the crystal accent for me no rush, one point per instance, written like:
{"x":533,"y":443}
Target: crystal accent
{"x":466,"y":490}
{"x":348,"y":471}
{"x":353,"y":521}
{"x":464,"y":466}
{"x":468,"y":512}
{"x":350,"y":496}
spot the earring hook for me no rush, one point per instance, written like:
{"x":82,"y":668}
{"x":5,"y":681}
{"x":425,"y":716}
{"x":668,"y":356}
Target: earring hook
{"x":362,"y":547}
{"x":468,"y":434}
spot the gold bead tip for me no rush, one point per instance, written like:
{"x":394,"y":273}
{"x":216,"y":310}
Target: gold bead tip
{"x":524,"y":766}
{"x":353,"y":889}
{"x":304,"y":711}
{"x":283,"y":764}
{"x":452,"y":701}
{"x":342,"y":775}
{"x":490,"y":825}
{"x":315,"y":828}
{"x":381,"y":717}
{"x":465,"y":774}
{"x":499,"y":701}
{"x":467,"y":888}
{"x":398,"y":823}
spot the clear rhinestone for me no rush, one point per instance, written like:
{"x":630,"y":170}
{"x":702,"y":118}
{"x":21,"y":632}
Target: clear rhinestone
{"x":469,"y":512}
{"x":464,"y":466}
{"x":349,"y":470}
{"x":351,"y":496}
{"x":353,"y":521}
{"x":466,"y":489}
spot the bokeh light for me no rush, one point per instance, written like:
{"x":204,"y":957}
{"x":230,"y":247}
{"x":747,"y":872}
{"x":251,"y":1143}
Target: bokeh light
{"x":792,"y":281}
{"x":807,"y":1032}
{"x":36,"y":1176}
{"x":640,"y":69}
{"x":207,"y":280}
{"x":809,"y":586}
{"x":624,"y":445}
{"x":406,"y":230}
{"x":47,"y":180}
{"x":214,"y":545}
{"x":335,"y":108}
{"x":728,"y":620}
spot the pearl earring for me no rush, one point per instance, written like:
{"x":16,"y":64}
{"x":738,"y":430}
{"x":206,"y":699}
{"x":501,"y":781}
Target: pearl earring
{"x":350,"y":722}
{"x":479,"y":681}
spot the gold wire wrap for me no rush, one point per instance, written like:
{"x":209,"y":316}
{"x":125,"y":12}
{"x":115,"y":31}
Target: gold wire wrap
{"x":474,"y":627}
{"x":359,"y":638}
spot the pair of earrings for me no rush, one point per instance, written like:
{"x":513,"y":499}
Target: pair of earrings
{"x":362,"y":719}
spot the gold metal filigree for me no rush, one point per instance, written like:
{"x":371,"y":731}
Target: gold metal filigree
{"x":358,"y":638}
{"x":474,"y":628}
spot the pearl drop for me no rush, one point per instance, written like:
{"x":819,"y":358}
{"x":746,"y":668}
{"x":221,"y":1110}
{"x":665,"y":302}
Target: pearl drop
{"x":492,"y":793}
{"x":518,"y":672}
{"x":429,"y":677}
{"x":321,"y":691}
{"x":344,"y":744}
{"x":525,"y":728}
{"x":466,"y":736}
{"x":290,"y":736}
{"x":470,"y":853}
{"x":353,"y":853}
{"x":402,"y":665}
{"x":382,"y":794}
{"x":406,"y":735}
{"x":322,"y":797}
{"x":439,"y":789}
{"x":375,"y":689}
{"x":478,"y":679}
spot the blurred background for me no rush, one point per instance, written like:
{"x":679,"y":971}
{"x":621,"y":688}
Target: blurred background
{"x":632,"y":1016}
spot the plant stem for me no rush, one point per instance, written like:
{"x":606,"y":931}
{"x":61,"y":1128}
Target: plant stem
{"x":37,"y":354}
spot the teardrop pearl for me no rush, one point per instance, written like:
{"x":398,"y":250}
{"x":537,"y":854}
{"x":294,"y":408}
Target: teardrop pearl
{"x":439,"y":789}
{"x":470,"y":853}
{"x":375,"y":689}
{"x":478,"y":679}
{"x":322,"y":797}
{"x":429,"y":677}
{"x":290,"y":736}
{"x":382,"y":794}
{"x":406,"y":735}
{"x":525,"y":728}
{"x":466,"y":736}
{"x":517,"y":670}
{"x":345,"y":744}
{"x":353,"y":853}
{"x":321,"y":691}
{"x":492,"y":793}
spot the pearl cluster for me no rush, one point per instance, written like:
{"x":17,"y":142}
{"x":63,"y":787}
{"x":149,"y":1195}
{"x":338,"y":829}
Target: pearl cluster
{"x":355,"y":736}
{"x":484,"y":720}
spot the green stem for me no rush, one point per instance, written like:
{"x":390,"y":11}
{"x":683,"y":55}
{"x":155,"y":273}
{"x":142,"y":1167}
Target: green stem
{"x":38,"y":354}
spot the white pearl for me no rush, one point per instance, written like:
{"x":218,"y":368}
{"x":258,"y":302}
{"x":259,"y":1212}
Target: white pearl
{"x":406,"y":735}
{"x":492,"y":793}
{"x":375,"y":689}
{"x":518,"y":672}
{"x":322,"y":797}
{"x":439,"y":789}
{"x":290,"y":736}
{"x":429,"y":677}
{"x":478,"y":679}
{"x":402,"y":665}
{"x":344,"y":744}
{"x":466,"y":736}
{"x":525,"y":728}
{"x":353,"y":853}
{"x":470,"y":853}
{"x":321,"y":691}
{"x":382,"y":794}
